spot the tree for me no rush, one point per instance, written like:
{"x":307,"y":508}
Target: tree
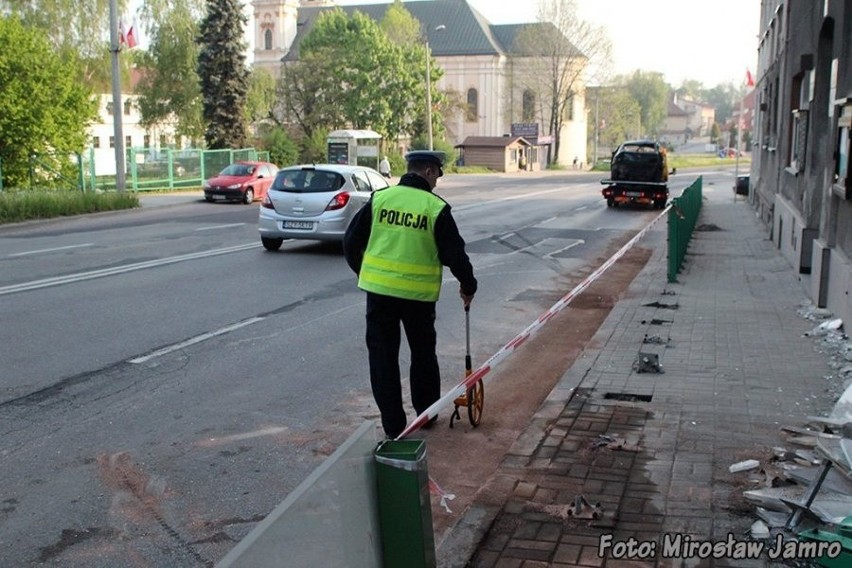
{"x":169,"y":91}
{"x":651,"y":91}
{"x":350,"y":74}
{"x":67,"y":24}
{"x":724,"y":98}
{"x":224,"y":76}
{"x":282,"y":149}
{"x":554,"y":55}
{"x":44,"y":107}
{"x":617,"y":114}
{"x":260,"y":98}
{"x":715,"y":133}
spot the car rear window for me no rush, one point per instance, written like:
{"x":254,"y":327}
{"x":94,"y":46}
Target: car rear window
{"x":307,"y":181}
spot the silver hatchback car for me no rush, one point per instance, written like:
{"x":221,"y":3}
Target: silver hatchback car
{"x":314,"y":202}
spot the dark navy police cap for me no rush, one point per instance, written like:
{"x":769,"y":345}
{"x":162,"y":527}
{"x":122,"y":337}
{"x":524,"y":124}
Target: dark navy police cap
{"x":435,"y":157}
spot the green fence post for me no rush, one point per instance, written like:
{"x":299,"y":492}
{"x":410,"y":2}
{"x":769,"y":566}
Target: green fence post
{"x":81,"y":182}
{"x":405,"y":512}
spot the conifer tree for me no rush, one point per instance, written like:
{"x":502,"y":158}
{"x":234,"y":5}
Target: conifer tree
{"x":223,"y":73}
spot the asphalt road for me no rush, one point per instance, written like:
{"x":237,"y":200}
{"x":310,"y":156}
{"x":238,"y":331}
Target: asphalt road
{"x":165,"y":382}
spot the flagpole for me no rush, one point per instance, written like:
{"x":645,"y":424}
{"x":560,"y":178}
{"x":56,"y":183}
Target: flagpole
{"x":117,"y":109}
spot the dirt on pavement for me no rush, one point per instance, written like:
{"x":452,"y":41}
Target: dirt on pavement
{"x":461,"y":459}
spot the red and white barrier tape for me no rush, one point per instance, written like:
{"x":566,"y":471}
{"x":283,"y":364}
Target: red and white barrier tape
{"x":521,"y":338}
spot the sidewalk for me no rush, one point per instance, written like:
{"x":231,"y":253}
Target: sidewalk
{"x":736,"y":367}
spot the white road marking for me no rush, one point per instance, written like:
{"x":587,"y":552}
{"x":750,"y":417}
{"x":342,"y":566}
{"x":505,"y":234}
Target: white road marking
{"x":194,"y":340}
{"x":81,"y":276}
{"x":572,"y":245}
{"x":214,"y":227}
{"x":40,"y":251}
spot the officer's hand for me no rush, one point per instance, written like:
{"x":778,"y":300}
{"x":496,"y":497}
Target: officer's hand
{"x":466,"y":300}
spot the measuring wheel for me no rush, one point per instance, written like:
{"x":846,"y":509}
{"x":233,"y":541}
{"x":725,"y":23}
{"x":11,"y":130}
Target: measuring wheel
{"x":474,"y":398}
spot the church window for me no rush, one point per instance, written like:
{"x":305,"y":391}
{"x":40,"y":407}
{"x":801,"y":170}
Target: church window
{"x":267,"y":39}
{"x":472,"y":105}
{"x":528,"y":107}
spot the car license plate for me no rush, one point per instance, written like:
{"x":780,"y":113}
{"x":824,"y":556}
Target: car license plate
{"x":219,"y":197}
{"x":298,"y":224}
{"x":633,"y":193}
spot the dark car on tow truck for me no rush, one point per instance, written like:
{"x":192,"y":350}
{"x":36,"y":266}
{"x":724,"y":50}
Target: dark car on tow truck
{"x":638,"y":174}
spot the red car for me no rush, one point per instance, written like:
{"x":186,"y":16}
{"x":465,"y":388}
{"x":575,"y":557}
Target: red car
{"x":241,"y":181}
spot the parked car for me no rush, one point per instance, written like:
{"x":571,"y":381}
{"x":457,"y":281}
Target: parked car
{"x":315,"y":202}
{"x":241,"y":181}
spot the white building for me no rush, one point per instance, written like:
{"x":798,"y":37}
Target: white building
{"x":474,"y":55}
{"x":102,"y":133}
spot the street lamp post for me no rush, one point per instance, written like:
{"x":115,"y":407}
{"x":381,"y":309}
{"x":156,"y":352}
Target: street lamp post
{"x":429,"y":87}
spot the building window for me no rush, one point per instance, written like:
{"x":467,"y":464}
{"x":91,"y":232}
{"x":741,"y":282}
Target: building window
{"x":528,"y":106}
{"x":472,"y":105}
{"x":164,"y":141}
{"x":842,"y":186}
{"x":128,"y":142}
{"x":110,"y":108}
{"x":798,"y":143}
{"x":146,"y":140}
{"x":267,"y":39}
{"x":127,"y":106}
{"x":96,"y":141}
{"x":112,"y":141}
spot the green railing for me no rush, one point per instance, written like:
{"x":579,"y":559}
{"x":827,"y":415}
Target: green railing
{"x":147,"y":169}
{"x":150,"y":168}
{"x":683,"y":215}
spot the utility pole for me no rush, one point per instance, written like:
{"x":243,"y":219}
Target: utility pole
{"x":597,"y":125}
{"x":118,"y":131}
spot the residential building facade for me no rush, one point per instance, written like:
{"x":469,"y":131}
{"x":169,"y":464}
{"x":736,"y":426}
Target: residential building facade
{"x":102,"y":132}
{"x":475,"y":56}
{"x":800,"y":154}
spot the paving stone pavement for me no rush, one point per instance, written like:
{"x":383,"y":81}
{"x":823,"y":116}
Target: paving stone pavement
{"x":652,"y":449}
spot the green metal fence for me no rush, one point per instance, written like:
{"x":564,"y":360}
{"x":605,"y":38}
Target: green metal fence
{"x":157,"y":169}
{"x":681,"y":223}
{"x":147,"y":169}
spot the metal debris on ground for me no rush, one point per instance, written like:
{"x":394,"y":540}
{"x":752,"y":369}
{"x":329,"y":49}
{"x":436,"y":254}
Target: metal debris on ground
{"x":647,"y":363}
{"x":616,"y":443}
{"x":744,"y":466}
{"x":655,"y":339}
{"x":582,"y":509}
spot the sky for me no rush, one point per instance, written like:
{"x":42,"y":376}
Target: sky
{"x":711,"y":42}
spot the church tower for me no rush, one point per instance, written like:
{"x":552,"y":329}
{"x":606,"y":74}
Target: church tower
{"x":275,"y":26}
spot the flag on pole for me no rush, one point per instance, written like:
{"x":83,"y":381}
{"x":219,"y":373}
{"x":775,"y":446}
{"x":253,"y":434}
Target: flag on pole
{"x":122,"y":33}
{"x":131,"y":35}
{"x":749,"y":79}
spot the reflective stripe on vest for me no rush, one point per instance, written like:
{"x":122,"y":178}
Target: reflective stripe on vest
{"x":401,"y":259}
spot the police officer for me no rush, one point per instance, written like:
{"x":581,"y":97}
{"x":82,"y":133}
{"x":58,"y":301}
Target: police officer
{"x":398,"y":244}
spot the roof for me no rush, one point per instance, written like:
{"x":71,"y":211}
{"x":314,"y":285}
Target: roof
{"x":675,"y":110}
{"x":493,"y":141}
{"x":357,"y":134}
{"x":465,"y":31}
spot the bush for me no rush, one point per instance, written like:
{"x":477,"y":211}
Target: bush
{"x":26,"y":205}
{"x":282,"y":149}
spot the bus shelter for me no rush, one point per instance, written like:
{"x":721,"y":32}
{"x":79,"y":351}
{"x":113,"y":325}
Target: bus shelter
{"x":354,"y":147}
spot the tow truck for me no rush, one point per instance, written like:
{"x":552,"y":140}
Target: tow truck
{"x":638,"y":174}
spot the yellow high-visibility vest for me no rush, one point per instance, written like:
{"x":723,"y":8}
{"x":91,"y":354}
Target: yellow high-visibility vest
{"x":401,"y":259}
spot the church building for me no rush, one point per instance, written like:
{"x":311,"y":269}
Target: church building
{"x":475,"y":56}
